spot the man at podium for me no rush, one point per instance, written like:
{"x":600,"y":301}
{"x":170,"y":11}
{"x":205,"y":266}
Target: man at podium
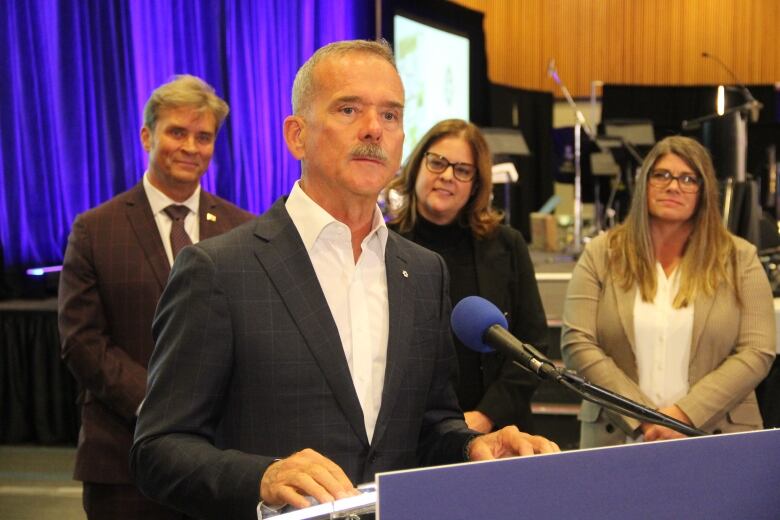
{"x":309,"y":349}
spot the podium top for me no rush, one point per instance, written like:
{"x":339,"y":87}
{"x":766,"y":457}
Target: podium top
{"x":718,"y":476}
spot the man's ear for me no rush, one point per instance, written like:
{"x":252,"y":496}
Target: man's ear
{"x":146,"y":138}
{"x":294,"y":134}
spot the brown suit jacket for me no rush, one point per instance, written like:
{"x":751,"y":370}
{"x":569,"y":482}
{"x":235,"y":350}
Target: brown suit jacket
{"x":732,"y":346}
{"x":114,"y":271}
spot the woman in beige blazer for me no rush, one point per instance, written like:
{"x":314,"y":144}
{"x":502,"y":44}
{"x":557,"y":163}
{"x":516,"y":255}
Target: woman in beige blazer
{"x":670,"y":287}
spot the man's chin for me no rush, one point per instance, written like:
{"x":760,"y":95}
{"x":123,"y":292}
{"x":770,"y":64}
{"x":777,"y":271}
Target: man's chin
{"x":187,"y":175}
{"x":371,"y":186}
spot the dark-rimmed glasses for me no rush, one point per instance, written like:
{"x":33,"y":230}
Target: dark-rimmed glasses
{"x":688,"y":182}
{"x":436,"y":163}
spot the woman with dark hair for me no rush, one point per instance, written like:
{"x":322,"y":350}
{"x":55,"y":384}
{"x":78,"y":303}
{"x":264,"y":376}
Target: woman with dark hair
{"x":669,"y":309}
{"x":445,"y":190}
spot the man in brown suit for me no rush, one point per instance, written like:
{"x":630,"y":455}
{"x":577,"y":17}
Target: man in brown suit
{"x":116,"y":264}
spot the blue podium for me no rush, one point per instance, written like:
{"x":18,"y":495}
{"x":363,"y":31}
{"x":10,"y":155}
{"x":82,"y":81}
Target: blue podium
{"x":734,"y":476}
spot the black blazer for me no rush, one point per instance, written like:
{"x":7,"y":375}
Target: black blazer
{"x":248,"y":366}
{"x":505,"y":277}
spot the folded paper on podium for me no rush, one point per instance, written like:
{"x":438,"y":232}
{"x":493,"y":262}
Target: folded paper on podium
{"x":347,"y":508}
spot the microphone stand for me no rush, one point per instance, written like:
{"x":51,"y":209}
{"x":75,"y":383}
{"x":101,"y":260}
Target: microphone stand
{"x":741,"y":113}
{"x":580,"y":124}
{"x":544,"y":369}
{"x":693,"y":124}
{"x":751,"y":105}
{"x":529,"y":358}
{"x":622,"y":405}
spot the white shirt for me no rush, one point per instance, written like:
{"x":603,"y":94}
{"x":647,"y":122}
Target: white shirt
{"x":663,"y":342}
{"x":356,"y":293}
{"x":159,"y":201}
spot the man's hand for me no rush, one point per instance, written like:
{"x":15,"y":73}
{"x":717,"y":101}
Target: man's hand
{"x":656,"y":432}
{"x":302,"y":474}
{"x":478,"y":421}
{"x":509,"y":442}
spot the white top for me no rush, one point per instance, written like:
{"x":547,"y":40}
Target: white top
{"x":356,"y":293}
{"x":663,"y":338}
{"x":159,"y":201}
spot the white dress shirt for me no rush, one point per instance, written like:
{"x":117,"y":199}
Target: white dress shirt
{"x":356,"y":293}
{"x":663,"y":342}
{"x":159,"y":201}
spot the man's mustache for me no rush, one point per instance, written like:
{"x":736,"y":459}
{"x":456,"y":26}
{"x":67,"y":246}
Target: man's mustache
{"x":369,"y":151}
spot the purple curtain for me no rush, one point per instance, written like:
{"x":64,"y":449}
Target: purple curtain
{"x":76,"y":76}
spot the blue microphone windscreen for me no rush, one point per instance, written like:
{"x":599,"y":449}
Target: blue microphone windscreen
{"x":471,"y":317}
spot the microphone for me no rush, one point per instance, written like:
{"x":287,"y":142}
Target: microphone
{"x":552,"y":71}
{"x":753,"y":104}
{"x":480,"y":326}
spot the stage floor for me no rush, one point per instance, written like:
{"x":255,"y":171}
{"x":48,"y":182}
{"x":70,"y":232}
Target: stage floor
{"x":35,"y":483}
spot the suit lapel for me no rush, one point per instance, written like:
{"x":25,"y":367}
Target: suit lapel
{"x":211,"y":220}
{"x":624,"y":301}
{"x":281,"y":252}
{"x":139,"y":214}
{"x":400,"y":304}
{"x":702,"y":306}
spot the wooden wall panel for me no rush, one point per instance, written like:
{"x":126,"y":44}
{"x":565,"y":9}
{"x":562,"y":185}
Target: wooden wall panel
{"x":648,"y":42}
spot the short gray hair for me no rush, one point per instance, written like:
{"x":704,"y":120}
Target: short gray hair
{"x":184,"y":90}
{"x":303,"y":86}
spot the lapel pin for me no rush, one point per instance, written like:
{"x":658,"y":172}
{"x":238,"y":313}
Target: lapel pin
{"x":211,"y":217}
{"x":406,"y":275}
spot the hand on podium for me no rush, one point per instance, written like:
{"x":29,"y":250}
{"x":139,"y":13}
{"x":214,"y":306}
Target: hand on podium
{"x":306,"y":473}
{"x":509,"y":442}
{"x":478,"y":421}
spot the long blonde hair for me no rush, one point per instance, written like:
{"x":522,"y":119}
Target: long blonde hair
{"x":709,"y":255}
{"x":477,"y":214}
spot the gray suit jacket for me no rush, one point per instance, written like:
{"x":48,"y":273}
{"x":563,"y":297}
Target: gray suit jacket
{"x":731,"y":350}
{"x":248,"y":367}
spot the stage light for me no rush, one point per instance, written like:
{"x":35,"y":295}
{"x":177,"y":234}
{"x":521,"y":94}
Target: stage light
{"x":40,"y":271}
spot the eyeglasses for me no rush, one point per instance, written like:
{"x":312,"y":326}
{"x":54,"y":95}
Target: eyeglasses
{"x":436,"y":163}
{"x":688,"y":183}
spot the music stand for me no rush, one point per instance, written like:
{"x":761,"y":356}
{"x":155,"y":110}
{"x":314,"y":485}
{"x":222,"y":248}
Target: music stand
{"x":505,"y":142}
{"x":638,"y":132}
{"x":603,"y":164}
{"x":635,"y":137}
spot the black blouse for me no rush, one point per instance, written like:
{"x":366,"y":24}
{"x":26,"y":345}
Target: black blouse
{"x":454,"y":243}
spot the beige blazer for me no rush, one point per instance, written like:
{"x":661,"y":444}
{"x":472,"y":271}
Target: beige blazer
{"x":731,"y":351}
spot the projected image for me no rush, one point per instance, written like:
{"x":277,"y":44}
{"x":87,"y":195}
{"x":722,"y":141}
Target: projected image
{"x":434,"y":66}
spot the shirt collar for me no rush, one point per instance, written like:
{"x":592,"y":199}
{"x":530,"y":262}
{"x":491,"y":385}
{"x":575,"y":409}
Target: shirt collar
{"x":159,"y":200}
{"x":310,"y":219}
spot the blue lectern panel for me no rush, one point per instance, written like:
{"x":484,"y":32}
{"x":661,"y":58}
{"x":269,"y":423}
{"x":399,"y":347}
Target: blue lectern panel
{"x":718,"y":477}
